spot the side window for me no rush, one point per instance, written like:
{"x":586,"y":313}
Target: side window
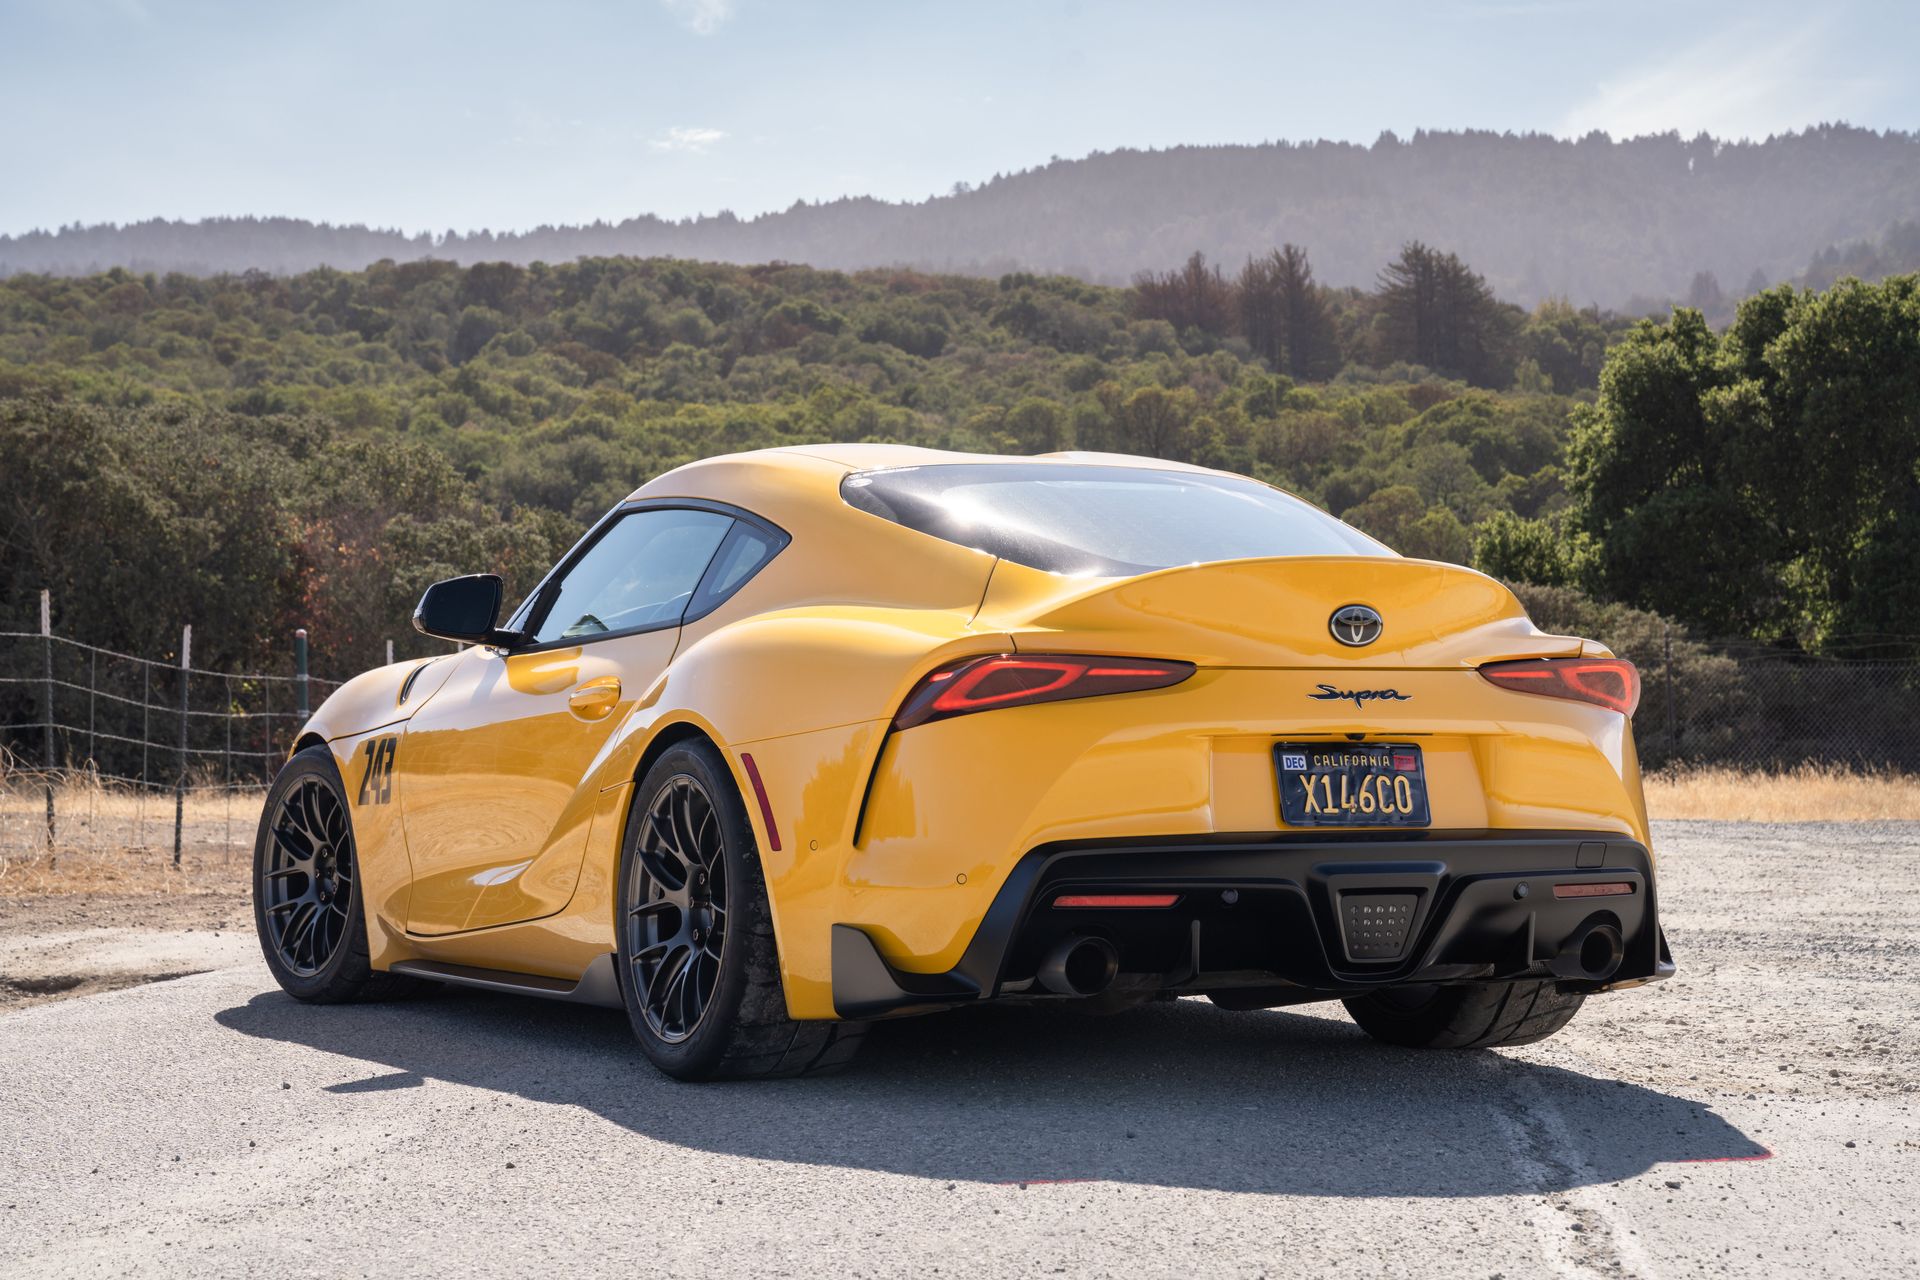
{"x":746,"y":549}
{"x":640,"y":573}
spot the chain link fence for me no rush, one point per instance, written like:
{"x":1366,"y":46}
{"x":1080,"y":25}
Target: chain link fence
{"x":1747,"y":707}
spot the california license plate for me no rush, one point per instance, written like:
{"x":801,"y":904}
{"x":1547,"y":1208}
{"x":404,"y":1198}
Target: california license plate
{"x":1371,"y":785}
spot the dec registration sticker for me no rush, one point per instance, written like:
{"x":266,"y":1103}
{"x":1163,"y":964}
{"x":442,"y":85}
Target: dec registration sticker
{"x":1352,"y":785}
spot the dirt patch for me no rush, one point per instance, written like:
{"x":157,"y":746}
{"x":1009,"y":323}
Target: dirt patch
{"x":210,"y":910}
{"x":15,"y":992}
{"x":59,"y":946}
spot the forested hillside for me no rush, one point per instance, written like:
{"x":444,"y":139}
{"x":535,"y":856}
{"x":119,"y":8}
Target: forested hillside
{"x":254,"y":453}
{"x":1626,"y":224}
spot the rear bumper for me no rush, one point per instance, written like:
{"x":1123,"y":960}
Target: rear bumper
{"x":1299,"y":916}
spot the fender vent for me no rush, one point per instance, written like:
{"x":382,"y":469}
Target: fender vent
{"x":406,"y":686}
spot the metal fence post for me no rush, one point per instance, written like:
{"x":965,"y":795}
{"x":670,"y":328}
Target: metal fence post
{"x":266,"y":727}
{"x":300,"y":671}
{"x":389,"y":653}
{"x":180,"y":781}
{"x":226,"y":723}
{"x":46,"y":642}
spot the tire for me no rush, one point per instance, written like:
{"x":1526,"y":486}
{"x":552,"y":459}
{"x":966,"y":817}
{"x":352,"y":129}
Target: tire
{"x":1471,"y":1016}
{"x":307,"y":907}
{"x":690,"y":870}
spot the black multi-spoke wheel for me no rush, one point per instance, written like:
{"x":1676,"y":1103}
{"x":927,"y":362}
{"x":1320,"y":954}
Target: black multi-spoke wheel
{"x":306,"y":889}
{"x":700,"y":971}
{"x":676,"y":929}
{"x":308,"y":881}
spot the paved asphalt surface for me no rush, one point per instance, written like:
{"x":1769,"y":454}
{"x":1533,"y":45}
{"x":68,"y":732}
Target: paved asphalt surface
{"x":1757,"y":1116}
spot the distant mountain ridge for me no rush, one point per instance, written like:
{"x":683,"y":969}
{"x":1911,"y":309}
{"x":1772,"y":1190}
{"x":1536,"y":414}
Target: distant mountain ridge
{"x":1590,"y":219}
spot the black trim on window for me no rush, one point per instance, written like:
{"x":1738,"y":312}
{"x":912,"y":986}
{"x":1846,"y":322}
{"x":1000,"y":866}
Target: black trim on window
{"x":531,"y":613}
{"x":701,"y":602}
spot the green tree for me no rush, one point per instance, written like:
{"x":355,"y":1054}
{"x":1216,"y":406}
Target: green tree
{"x":1196,"y":296}
{"x":1435,"y":311}
{"x":1158,"y":423}
{"x":1521,"y":550}
{"x":1768,"y":482}
{"x":1566,"y":345}
{"x":1285,"y":316}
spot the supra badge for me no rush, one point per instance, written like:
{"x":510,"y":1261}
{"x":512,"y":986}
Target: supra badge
{"x":1359,"y":697}
{"x":1355,"y":625}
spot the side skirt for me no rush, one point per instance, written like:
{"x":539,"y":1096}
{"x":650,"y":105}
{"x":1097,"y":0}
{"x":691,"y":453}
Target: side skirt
{"x":599,"y":985}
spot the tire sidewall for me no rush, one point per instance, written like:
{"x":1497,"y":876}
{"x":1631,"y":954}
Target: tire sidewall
{"x":315,"y":763}
{"x":699,"y":1054}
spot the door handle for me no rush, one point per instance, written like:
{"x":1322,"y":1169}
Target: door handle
{"x":596,"y":699}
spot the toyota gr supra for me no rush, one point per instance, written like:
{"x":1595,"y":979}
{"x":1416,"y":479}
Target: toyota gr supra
{"x":798,"y":739}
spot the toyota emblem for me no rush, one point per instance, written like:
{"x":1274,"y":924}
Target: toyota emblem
{"x":1355,"y":625}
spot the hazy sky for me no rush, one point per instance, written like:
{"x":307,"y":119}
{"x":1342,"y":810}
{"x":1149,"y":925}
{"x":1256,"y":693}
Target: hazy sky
{"x":430,"y":114}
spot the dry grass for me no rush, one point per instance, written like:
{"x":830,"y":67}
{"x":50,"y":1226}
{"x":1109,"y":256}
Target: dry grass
{"x":111,"y":839}
{"x":144,"y":872}
{"x":1810,"y":793}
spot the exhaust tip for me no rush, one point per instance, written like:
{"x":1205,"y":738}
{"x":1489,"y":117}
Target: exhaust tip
{"x":1600,"y":952}
{"x":1080,"y":966}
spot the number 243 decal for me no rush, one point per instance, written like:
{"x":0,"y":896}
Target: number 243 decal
{"x":376,"y":784}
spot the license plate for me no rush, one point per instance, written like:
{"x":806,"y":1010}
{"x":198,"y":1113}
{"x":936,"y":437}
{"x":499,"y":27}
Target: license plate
{"x":1371,"y":785}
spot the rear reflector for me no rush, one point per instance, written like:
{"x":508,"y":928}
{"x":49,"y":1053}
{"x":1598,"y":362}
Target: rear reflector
{"x":1612,"y":683}
{"x":1589,"y":889}
{"x":760,"y":794}
{"x":1019,"y":679}
{"x":1116,"y":900}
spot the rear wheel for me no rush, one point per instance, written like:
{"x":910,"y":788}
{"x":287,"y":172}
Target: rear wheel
{"x":306,"y":890}
{"x":700,"y":974}
{"x":1472,"y":1016}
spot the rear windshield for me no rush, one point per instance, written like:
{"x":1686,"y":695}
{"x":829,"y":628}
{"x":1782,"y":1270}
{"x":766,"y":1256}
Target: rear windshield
{"x":1102,"y":521}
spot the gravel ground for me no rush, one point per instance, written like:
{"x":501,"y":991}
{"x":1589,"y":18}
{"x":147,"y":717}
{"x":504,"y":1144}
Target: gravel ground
{"x":1754,"y":1116}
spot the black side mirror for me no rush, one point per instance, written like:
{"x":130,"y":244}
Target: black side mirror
{"x":464,"y":609}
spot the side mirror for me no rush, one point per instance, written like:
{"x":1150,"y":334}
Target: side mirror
{"x":464,"y":609}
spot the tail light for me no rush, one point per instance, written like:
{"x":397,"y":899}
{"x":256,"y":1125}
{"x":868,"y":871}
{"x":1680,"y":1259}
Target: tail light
{"x":1612,"y":683}
{"x":1018,"y":679}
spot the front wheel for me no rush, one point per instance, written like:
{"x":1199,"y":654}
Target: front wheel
{"x":700,"y":974}
{"x":306,"y":890}
{"x":1470,"y":1016}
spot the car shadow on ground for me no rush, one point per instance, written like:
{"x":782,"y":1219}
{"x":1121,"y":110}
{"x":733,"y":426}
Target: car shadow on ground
{"x":1174,"y":1094}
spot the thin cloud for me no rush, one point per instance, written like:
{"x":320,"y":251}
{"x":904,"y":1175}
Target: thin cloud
{"x":702,"y":17}
{"x":1745,"y":82}
{"x":689,"y":140}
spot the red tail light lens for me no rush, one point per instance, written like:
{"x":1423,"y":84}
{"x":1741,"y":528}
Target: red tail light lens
{"x":1018,"y":679}
{"x":1605,"y":682}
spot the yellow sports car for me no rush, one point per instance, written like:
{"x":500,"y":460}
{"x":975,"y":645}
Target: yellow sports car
{"x":797,"y":739}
